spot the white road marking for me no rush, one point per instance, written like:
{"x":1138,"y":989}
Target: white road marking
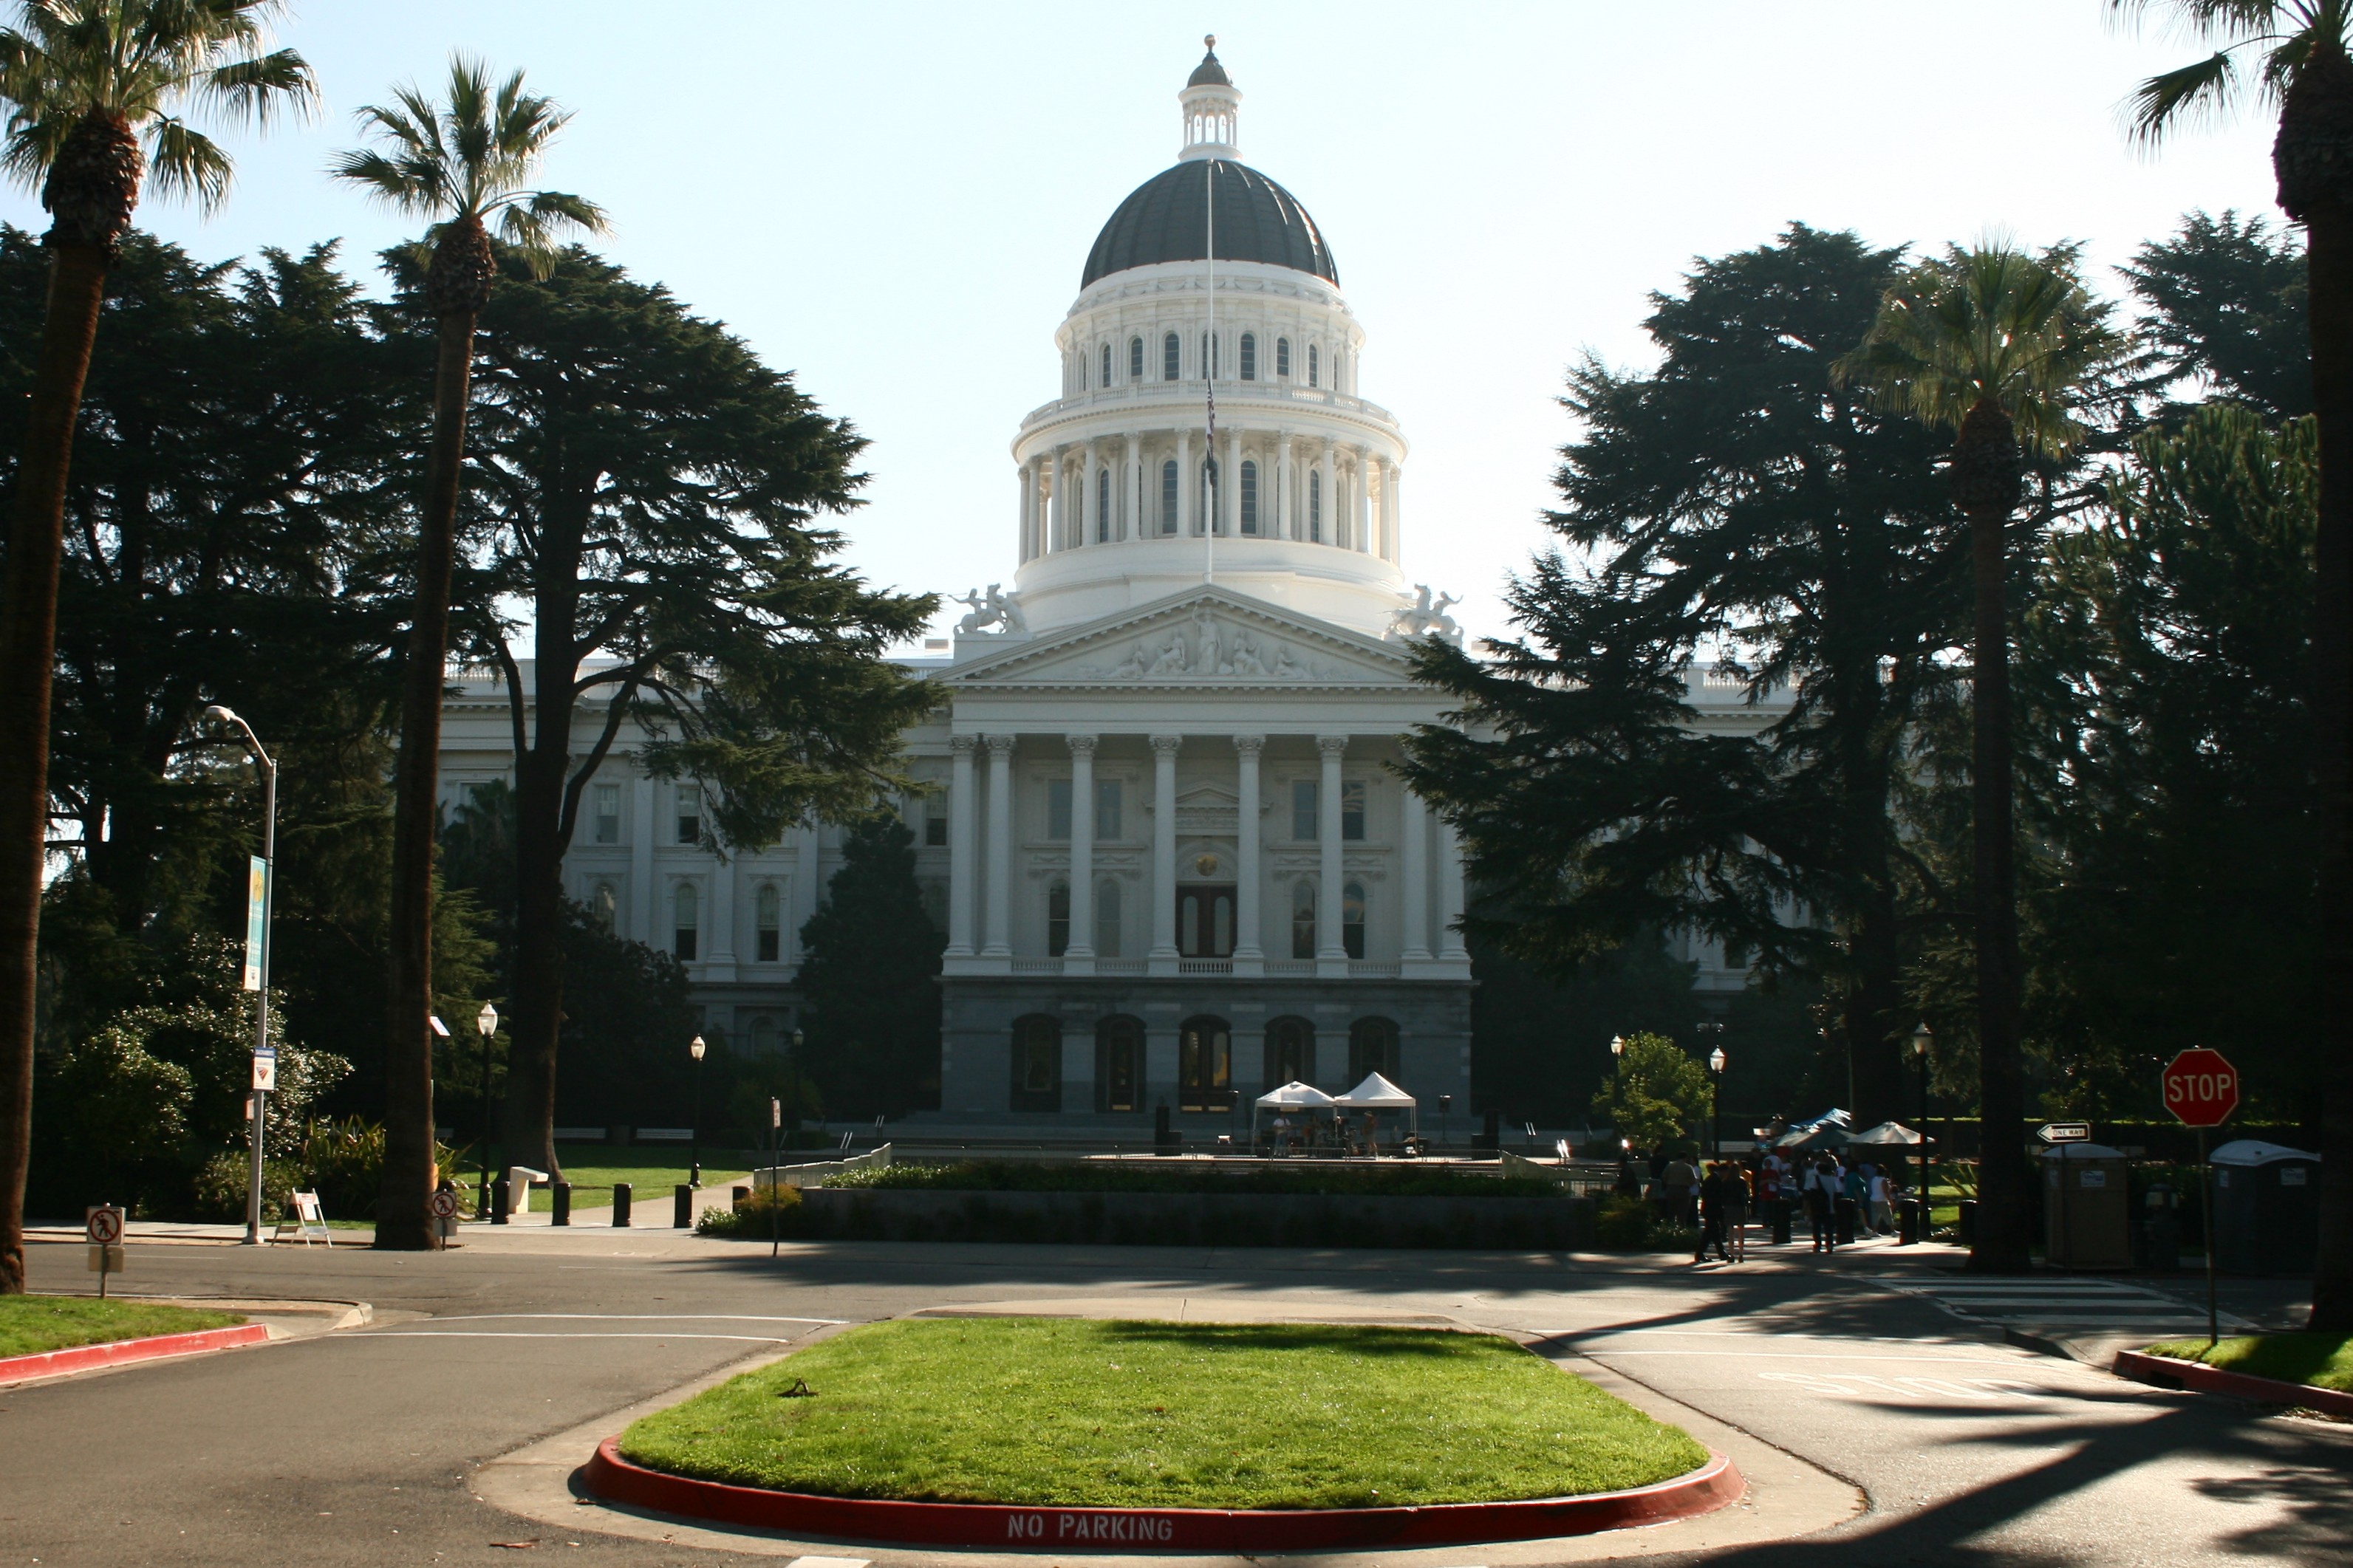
{"x":638,"y":1318}
{"x":531,"y":1334}
{"x":1974,"y":1389}
{"x":829,"y":1563}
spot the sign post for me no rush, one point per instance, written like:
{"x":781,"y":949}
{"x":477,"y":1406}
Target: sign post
{"x":257,"y":980}
{"x":2065,"y":1133}
{"x":2201,"y":1090}
{"x":776,"y":1161}
{"x":103,"y":1224}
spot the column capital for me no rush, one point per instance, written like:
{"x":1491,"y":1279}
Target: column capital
{"x":1332,"y":745}
{"x":1250,"y":745}
{"x":1080,"y":745}
{"x":1167,"y":746}
{"x":963,"y":745}
{"x":999,"y":745}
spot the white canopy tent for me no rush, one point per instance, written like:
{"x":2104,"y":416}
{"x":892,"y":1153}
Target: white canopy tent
{"x":1377,"y":1093}
{"x":1892,"y":1133}
{"x":1293,"y":1095}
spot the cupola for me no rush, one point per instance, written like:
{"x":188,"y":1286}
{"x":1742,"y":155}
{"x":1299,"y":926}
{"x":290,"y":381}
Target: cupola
{"x":1213,"y":107}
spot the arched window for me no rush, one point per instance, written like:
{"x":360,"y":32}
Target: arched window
{"x":1118,"y":1065}
{"x":1205,"y":1065}
{"x":1057,"y":918}
{"x":1106,"y":375}
{"x":1372,"y":1047}
{"x":686,"y":917}
{"x":1168,"y":496}
{"x":1136,"y":359}
{"x":1315,"y":505}
{"x":607,"y":904}
{"x":1352,"y":919}
{"x":1036,"y":1064}
{"x":763,"y":1036}
{"x":1103,"y":503}
{"x":1168,"y":349}
{"x":769,"y":909}
{"x":1302,"y":919}
{"x":1311,"y":380}
{"x":1107,"y":919}
{"x":1249,"y":356}
{"x":1250,"y":496}
{"x":1290,"y":1052}
{"x":1281,"y":358}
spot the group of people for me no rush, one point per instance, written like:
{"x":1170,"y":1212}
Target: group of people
{"x":1838,"y":1201}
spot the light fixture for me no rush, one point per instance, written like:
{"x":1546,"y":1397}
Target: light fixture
{"x":487,"y":1020}
{"x":1922,"y":1039}
{"x":695,"y":1047}
{"x":1617,"y":1045}
{"x":1715,"y":1061}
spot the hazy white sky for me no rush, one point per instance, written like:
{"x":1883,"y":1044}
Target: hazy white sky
{"x":895,"y":199}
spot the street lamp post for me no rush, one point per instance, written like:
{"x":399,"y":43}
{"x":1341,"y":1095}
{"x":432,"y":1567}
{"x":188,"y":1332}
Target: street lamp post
{"x":1922,"y":1038}
{"x":695,"y":1049}
{"x":259,"y":1122}
{"x":486,"y":1023}
{"x":1715,"y":1064}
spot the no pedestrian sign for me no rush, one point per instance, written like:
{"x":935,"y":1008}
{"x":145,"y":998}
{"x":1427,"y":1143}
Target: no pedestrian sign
{"x":2202,"y":1088}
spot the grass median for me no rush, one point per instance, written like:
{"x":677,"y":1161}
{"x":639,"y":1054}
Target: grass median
{"x":2323,"y":1361}
{"x":1059,"y":1412}
{"x":32,"y":1324}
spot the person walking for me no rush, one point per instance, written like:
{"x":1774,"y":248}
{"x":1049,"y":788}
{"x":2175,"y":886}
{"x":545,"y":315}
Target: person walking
{"x":1854,"y":1192}
{"x":1882,"y":1203}
{"x":1736,"y":1210}
{"x":1679,"y":1189}
{"x":1714,"y":1212}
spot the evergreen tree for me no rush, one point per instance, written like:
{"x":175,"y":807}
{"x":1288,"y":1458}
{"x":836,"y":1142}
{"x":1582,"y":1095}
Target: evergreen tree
{"x":869,"y":979}
{"x":2223,"y":308}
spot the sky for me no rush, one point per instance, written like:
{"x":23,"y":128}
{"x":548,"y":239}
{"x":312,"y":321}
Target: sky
{"x":894,"y":200}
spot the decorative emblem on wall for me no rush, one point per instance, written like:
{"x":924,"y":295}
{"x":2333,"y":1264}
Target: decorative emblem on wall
{"x":1207,"y":865}
{"x":1209,"y":647}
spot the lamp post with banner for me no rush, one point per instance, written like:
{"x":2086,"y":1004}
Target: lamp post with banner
{"x":1924,"y":1039}
{"x":695,"y":1049}
{"x":486,"y":1023}
{"x":256,"y":962}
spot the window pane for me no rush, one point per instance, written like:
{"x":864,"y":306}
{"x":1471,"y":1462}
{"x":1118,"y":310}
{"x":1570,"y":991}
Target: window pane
{"x":1107,"y":920}
{"x":1168,"y":493}
{"x":690,"y":813}
{"x":772,"y":943}
{"x":1310,"y":365}
{"x":1249,"y":356}
{"x":1136,"y":359}
{"x":1352,"y":810}
{"x":1222,"y":929}
{"x":1249,"y":498}
{"x":1314,"y":505}
{"x":1303,"y":920}
{"x":1058,"y":920}
{"x":1302,"y":808}
{"x":1281,"y":357}
{"x":1107,"y":802}
{"x":1352,"y":919}
{"x":1106,"y":366}
{"x":1189,"y":925}
{"x":935,"y":824}
{"x":608,"y":814}
{"x":1168,"y":357}
{"x":1058,"y":808}
{"x":1103,"y":503}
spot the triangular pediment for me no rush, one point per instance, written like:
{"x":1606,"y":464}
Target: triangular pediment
{"x":1208,"y":638}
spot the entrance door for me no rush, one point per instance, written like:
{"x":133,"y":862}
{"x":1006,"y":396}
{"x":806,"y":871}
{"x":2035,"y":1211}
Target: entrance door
{"x":1205,"y":920}
{"x":1118,"y":1065}
{"x":1205,"y":1065}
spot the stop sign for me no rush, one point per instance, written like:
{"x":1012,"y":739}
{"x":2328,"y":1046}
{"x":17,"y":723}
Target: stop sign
{"x":2202,"y":1088}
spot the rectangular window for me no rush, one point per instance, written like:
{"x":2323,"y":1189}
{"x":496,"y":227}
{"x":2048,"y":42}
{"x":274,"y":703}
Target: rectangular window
{"x":1351,"y":811}
{"x":1136,"y":359}
{"x":1168,"y":358}
{"x":935,"y":824}
{"x":1249,"y":498}
{"x":1058,"y":920}
{"x":1302,"y":808}
{"x":1303,"y":920}
{"x":1249,"y":356}
{"x":1107,"y":803}
{"x":608,"y":814}
{"x":1315,"y":505}
{"x":1058,"y":809}
{"x":690,"y":813}
{"x":1281,"y":358}
{"x":1168,"y":496}
{"x":1107,"y":919}
{"x":935,"y":904}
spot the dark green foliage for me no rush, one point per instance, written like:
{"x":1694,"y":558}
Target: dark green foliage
{"x":1543,"y":1043}
{"x":626,"y":1032}
{"x":868,"y":979}
{"x":1656,"y":1095}
{"x":2224,"y":307}
{"x":1303,"y":1176}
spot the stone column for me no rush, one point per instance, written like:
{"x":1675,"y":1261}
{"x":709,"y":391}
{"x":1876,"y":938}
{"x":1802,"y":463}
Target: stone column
{"x":1248,"y":827}
{"x":1414,"y":835}
{"x":1449,"y":894}
{"x":1057,"y":534}
{"x":1001,"y":847}
{"x":1329,"y":951}
{"x":1131,"y":490}
{"x":1186,"y":482}
{"x":1361,"y":503}
{"x":1328,"y":524}
{"x":721,"y":921}
{"x":1391,"y":518}
{"x":1164,"y":852}
{"x":960,"y":846}
{"x":641,"y":861}
{"x":1081,"y":954}
{"x":1028,"y":530}
{"x":1284,"y":507}
{"x":1230,"y":493}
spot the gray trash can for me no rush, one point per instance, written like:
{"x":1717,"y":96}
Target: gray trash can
{"x":2086,"y":1206}
{"x":2266,"y":1208}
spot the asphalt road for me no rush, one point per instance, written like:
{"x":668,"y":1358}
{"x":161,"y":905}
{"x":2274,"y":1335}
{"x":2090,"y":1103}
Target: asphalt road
{"x":357,"y":1447}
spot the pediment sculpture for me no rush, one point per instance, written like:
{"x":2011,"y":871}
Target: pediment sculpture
{"x":1428,"y":618}
{"x":992,"y":608}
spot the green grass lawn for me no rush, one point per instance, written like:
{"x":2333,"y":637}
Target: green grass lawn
{"x":1062,"y":1412}
{"x":31,"y":1325}
{"x":2324,"y":1361}
{"x":593,"y":1168}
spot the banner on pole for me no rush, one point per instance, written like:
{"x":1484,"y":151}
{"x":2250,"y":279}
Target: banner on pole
{"x":265,"y":1069}
{"x":257,"y":919}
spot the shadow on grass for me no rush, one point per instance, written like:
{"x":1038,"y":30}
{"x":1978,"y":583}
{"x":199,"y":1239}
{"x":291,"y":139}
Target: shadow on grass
{"x":1390,"y":1344}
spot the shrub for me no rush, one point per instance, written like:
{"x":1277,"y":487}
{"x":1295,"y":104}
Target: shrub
{"x":221,"y":1186}
{"x":1634,"y":1225}
{"x":752,"y":1216}
{"x":1307,"y":1177}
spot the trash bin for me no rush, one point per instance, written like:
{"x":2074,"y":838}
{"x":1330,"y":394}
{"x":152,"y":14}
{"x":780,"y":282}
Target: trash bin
{"x":2161,"y":1228}
{"x":2086,"y":1206}
{"x":2266,"y":1208}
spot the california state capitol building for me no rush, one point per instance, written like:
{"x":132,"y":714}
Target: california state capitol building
{"x":1160,"y":831}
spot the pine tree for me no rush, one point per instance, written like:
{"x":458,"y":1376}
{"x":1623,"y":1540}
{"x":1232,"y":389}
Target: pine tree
{"x":869,"y":979}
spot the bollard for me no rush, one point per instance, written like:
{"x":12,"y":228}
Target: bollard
{"x":1781,"y":1221}
{"x":620,"y":1204}
{"x":498,"y":1201}
{"x":681,"y":1207}
{"x":560,"y":1203}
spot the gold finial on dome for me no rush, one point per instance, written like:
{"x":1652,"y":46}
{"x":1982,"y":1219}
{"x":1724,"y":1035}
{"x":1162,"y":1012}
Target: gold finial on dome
{"x":1210,"y":40}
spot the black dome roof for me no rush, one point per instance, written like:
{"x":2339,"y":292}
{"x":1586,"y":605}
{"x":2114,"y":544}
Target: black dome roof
{"x":1167,"y":219}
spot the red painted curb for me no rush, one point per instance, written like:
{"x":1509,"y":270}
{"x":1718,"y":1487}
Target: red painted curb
{"x":120,"y":1352}
{"x":2167,"y":1373}
{"x":616,"y":1479}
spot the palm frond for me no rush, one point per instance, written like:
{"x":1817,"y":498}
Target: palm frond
{"x":256,"y":91}
{"x":2207,"y":88}
{"x":183,"y":162}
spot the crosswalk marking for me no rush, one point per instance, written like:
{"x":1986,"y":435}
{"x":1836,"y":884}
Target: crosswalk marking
{"x":2059,"y":1303}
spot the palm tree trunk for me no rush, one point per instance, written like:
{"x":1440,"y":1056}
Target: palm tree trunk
{"x":409,"y":1171}
{"x":2003,"y":1194}
{"x":2329,"y":263}
{"x":29,"y":637}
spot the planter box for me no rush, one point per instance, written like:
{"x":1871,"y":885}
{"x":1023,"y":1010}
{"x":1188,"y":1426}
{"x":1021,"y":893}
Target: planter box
{"x":1197,"y":1219}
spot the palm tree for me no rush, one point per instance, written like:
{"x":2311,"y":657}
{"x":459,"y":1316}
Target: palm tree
{"x":462,"y":164}
{"x":87,"y":82}
{"x":1992,"y":344}
{"x":2300,"y":68}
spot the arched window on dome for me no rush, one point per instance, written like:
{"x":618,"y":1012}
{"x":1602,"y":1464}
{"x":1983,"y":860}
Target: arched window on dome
{"x":1103,"y":503}
{"x":1311,"y":380}
{"x":1168,"y":352}
{"x":1315,"y":502}
{"x":1106,"y":375}
{"x":1248,"y":356}
{"x":1168,"y":496}
{"x":1282,"y":359}
{"x":1136,"y":359}
{"x":1250,"y":491}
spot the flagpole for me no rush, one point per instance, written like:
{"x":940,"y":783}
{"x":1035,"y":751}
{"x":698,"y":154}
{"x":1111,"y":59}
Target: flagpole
{"x":1209,"y":379}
